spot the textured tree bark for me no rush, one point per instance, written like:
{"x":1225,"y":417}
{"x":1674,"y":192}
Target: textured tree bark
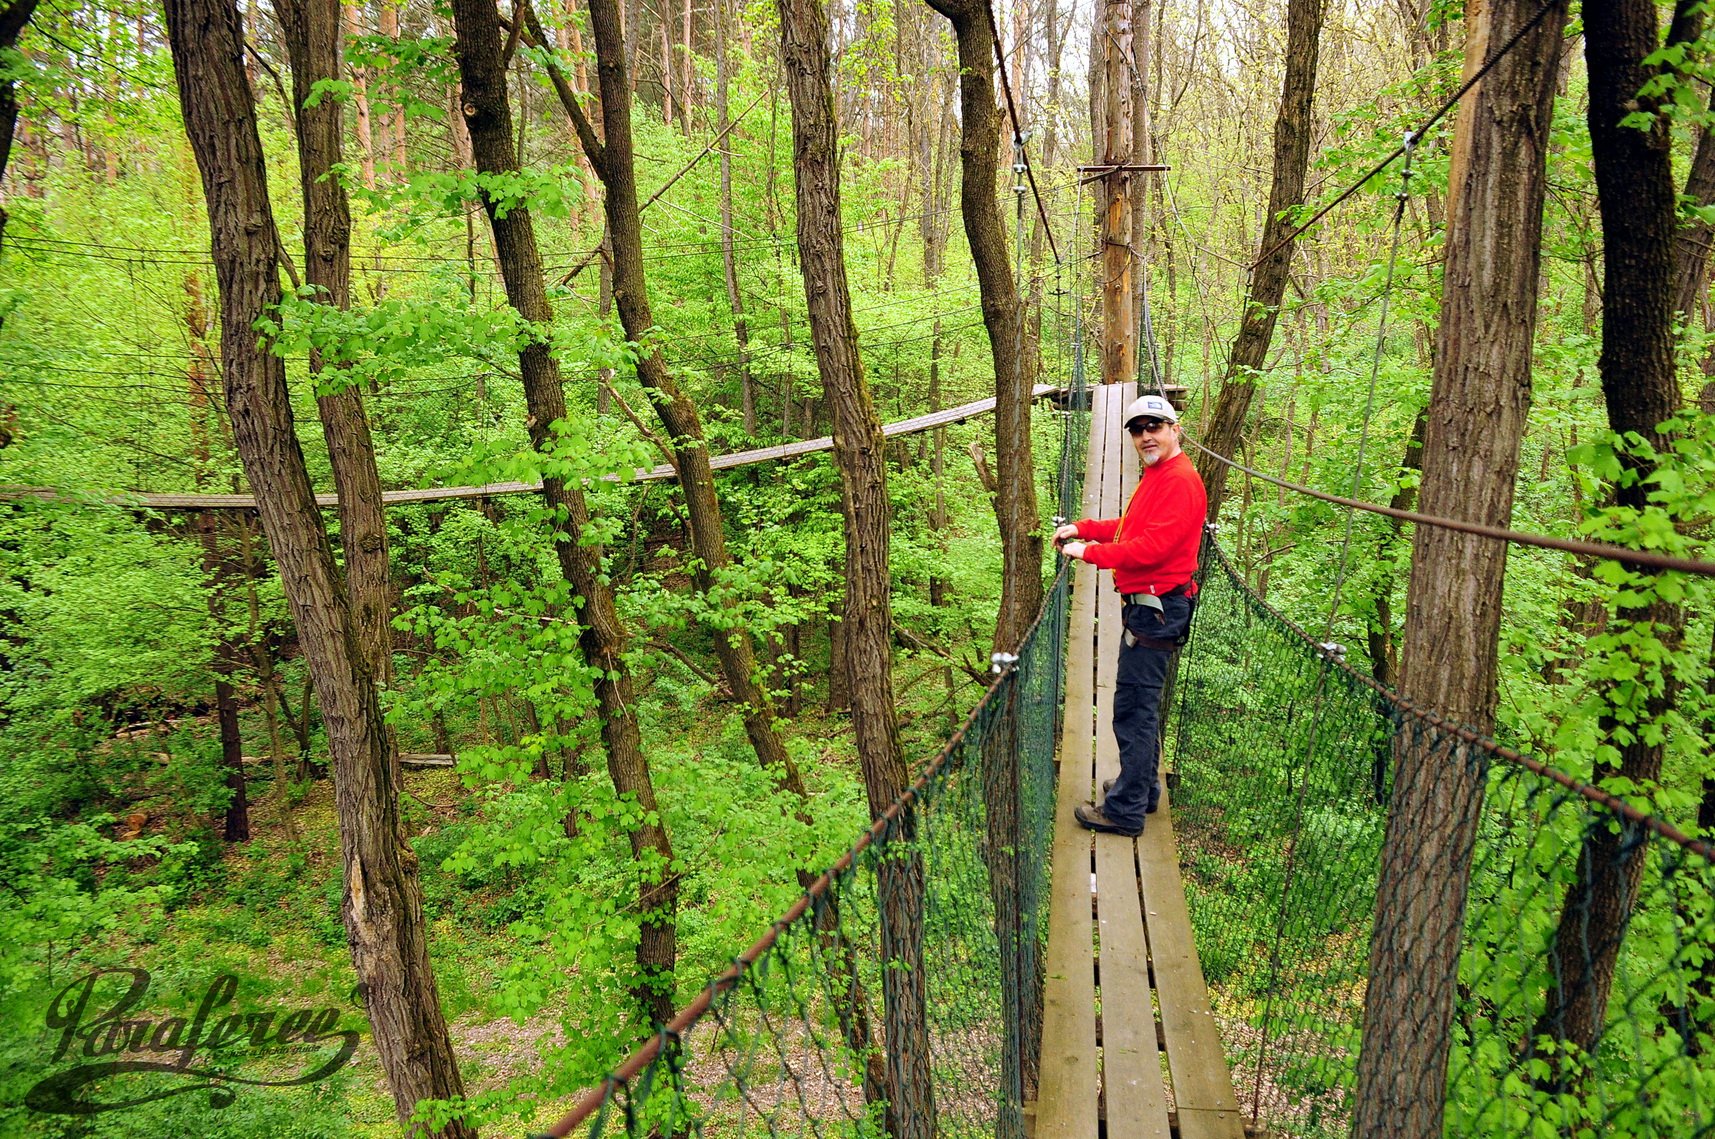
{"x":1634,"y":184}
{"x":860,"y":451}
{"x":382,"y":905}
{"x":489,"y":118}
{"x":1003,"y":316}
{"x":1479,"y":399}
{"x":312,"y":35}
{"x":1691,"y":246}
{"x":1268,"y":276}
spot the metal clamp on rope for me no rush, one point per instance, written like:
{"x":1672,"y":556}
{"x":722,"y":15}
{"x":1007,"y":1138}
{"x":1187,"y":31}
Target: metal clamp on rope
{"x":1406,"y":171}
{"x":1000,"y":662}
{"x":1333,"y":650}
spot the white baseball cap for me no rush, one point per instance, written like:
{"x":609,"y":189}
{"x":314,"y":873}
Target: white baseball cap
{"x":1149,"y":407}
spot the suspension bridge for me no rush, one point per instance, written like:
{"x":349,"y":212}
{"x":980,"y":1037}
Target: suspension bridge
{"x":1206,"y":978}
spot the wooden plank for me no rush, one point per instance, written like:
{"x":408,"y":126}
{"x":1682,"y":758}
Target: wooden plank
{"x":1202,"y":1082}
{"x":661,"y":473}
{"x":1067,"y":1098}
{"x":1067,"y":1102}
{"x":1132,"y":1090}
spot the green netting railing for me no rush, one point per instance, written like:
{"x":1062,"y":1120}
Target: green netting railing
{"x":1565,"y":1023}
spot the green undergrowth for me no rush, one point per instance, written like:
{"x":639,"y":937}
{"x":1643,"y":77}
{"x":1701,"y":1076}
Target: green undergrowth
{"x":530,"y":953}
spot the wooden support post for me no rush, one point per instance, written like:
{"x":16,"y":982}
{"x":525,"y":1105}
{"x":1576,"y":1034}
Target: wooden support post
{"x":1119,"y":343}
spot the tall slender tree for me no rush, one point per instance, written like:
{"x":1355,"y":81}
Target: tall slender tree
{"x":1003,"y":316}
{"x":1635,"y":191}
{"x":1478,"y":402}
{"x":1110,"y":89}
{"x":860,"y":452}
{"x":488,"y":115}
{"x":1013,"y":359}
{"x":382,"y":901}
{"x":1268,"y":274}
{"x":312,"y":33}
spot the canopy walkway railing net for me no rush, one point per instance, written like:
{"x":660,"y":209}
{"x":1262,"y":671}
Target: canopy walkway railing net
{"x":792,"y":1039}
{"x":1569,"y":1021}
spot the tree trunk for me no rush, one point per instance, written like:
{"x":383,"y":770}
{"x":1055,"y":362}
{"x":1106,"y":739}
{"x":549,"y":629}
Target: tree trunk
{"x":360,"y":105}
{"x":1003,"y":316}
{"x":382,"y":903}
{"x":312,"y":35}
{"x":1141,"y":152}
{"x":860,"y":452}
{"x":489,"y":119}
{"x":1691,"y":246}
{"x":1119,"y":346}
{"x":839,"y":672}
{"x":395,"y":132}
{"x":1634,"y":184}
{"x":1268,"y":276}
{"x":237,"y":823}
{"x":1691,"y":249}
{"x":1015,"y":511}
{"x":1482,"y":376}
{"x":217,"y":569}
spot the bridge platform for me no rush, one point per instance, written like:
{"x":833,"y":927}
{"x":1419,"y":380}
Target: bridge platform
{"x":1129,"y":1046}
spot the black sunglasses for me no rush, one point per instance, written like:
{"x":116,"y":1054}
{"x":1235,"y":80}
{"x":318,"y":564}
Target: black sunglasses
{"x":1139,"y":426}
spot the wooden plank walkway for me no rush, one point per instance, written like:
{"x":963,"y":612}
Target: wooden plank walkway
{"x":1119,"y":934}
{"x":662,"y":473}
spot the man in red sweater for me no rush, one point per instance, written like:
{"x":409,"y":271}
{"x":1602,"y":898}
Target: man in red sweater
{"x":1152,"y":552}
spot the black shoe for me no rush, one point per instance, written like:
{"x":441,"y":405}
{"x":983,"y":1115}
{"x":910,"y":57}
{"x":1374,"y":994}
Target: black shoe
{"x":1108,"y":785}
{"x":1090,"y":817}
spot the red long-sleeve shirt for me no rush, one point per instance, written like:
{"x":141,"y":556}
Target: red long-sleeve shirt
{"x":1153,"y":547}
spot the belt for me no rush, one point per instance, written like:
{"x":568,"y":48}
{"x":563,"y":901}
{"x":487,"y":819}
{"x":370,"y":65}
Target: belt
{"x":1183,"y":588}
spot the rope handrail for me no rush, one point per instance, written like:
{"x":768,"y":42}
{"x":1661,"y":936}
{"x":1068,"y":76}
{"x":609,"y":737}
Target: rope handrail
{"x":1467,"y":734}
{"x":1605,"y":550}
